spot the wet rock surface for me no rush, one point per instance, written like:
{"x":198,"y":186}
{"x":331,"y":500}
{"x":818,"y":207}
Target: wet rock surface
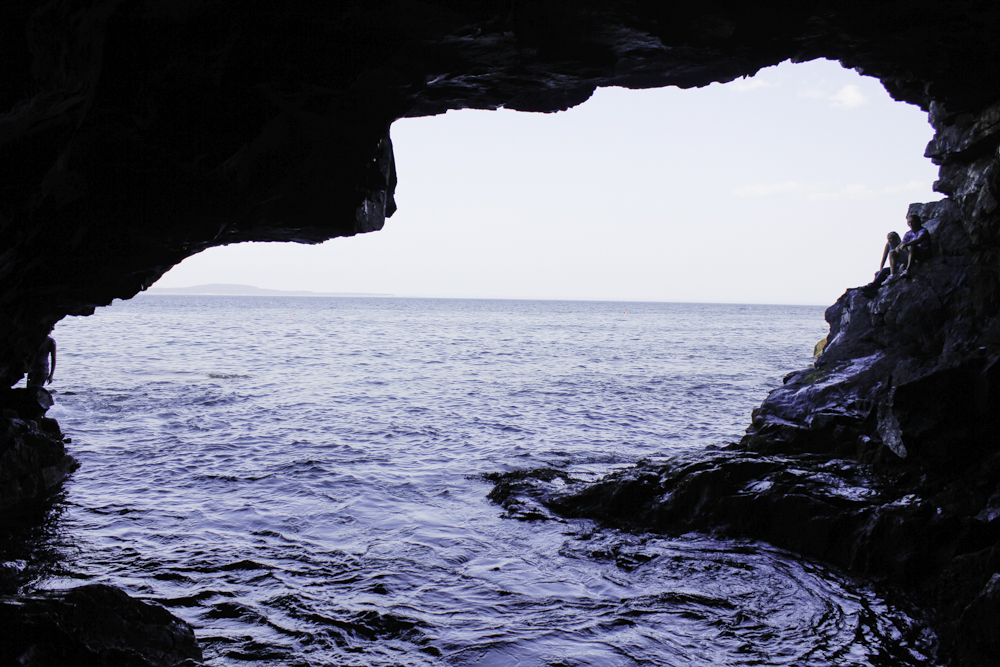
{"x":33,"y":457}
{"x":931,"y":533}
{"x":93,"y":625}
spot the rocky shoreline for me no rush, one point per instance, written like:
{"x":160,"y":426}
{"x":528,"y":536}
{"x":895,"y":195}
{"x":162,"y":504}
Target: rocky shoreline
{"x":883,"y":457}
{"x":94,"y":624}
{"x":928,"y":533}
{"x":136,"y":135}
{"x":33,"y":458}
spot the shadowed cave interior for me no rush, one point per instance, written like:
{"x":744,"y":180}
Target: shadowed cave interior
{"x":137,"y":134}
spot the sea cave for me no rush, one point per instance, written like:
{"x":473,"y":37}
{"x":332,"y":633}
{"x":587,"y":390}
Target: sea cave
{"x":136,"y":134}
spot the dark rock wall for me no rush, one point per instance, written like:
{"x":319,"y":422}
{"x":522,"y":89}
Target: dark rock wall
{"x":33,"y":458}
{"x":93,"y":626}
{"x":137,"y":133}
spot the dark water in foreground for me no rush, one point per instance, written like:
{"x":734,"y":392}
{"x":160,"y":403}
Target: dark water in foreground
{"x":298,"y":478}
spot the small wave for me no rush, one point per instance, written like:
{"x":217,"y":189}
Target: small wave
{"x":228,"y":376}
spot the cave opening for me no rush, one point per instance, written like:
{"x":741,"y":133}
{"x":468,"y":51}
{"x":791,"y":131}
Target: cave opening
{"x":229,"y":495}
{"x":779,"y":188}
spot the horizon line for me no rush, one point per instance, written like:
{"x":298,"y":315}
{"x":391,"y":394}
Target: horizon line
{"x":161,"y":291}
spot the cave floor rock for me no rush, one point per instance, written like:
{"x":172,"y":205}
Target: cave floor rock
{"x":930,"y":531}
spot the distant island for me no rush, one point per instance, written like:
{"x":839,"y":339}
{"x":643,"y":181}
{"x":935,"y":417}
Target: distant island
{"x":217,"y":289}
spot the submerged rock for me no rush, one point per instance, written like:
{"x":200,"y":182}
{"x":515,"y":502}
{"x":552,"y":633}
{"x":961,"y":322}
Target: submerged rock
{"x":871,"y":520}
{"x":96,"y":626}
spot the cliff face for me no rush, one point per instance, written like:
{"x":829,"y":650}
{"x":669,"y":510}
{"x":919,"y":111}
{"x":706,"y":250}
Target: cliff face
{"x":139,"y":133}
{"x":911,"y":369}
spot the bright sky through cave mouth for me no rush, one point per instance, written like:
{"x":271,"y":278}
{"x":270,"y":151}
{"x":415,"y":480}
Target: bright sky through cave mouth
{"x":778,"y":188}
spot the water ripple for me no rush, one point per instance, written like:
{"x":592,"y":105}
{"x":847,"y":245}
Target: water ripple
{"x":307,"y":490}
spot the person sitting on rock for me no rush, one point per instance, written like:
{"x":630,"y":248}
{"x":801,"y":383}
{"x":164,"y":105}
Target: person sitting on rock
{"x":916,"y":245}
{"x":892,"y":241}
{"x":40,"y":372}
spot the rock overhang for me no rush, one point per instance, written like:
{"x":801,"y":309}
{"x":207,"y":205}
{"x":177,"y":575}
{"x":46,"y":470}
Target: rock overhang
{"x":139,"y":133}
{"x":135,"y":134}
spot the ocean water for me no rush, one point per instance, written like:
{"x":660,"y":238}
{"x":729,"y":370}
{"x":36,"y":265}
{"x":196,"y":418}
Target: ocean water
{"x":301,"y":479}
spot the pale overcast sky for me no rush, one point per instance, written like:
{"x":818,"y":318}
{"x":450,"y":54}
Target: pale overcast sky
{"x":774,"y":189}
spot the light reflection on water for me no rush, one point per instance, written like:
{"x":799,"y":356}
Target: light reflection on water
{"x":299,"y":478}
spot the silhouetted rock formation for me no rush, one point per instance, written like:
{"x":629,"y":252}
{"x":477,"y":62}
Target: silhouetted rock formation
{"x":140,"y":133}
{"x":929,"y":529}
{"x":33,"y":458}
{"x":93,"y":626}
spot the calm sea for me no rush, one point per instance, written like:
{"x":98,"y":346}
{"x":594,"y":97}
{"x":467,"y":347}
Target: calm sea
{"x":300,"y":478}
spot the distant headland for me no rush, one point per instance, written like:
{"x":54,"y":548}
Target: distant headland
{"x":217,"y":289}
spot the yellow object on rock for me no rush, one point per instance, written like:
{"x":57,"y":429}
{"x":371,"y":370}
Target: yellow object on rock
{"x":818,"y":350}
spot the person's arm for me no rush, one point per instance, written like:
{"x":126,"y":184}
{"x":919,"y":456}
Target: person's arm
{"x":52,"y":368}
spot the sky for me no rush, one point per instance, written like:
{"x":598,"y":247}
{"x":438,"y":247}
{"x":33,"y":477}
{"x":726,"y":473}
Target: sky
{"x":775,"y":189}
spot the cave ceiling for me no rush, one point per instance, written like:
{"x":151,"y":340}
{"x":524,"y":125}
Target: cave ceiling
{"x":137,"y":133}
